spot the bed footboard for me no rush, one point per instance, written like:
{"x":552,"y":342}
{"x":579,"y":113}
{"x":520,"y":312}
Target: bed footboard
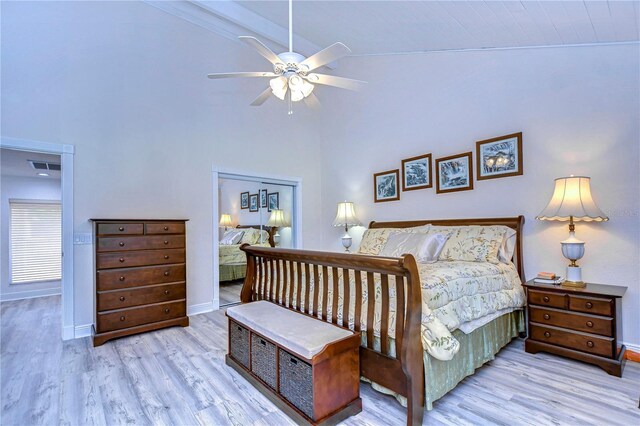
{"x":301,"y":280}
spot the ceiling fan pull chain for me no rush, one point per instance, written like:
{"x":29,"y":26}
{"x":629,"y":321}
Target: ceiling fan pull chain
{"x":290,"y":112}
{"x":290,"y":25}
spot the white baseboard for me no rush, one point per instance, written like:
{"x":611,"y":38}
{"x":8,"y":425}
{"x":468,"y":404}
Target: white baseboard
{"x":68,"y":332}
{"x":632,"y":347}
{"x":83,"y":331}
{"x":30,"y":294}
{"x":200,"y":308}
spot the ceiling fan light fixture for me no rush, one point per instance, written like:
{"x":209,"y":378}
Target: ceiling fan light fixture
{"x":313,"y":78}
{"x":296,"y":95}
{"x":279,"y":87}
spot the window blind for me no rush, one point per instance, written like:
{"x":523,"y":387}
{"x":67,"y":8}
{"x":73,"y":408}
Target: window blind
{"x":35,"y":241}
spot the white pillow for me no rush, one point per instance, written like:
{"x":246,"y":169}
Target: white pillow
{"x":232,"y":236}
{"x":508,"y":246}
{"x":424,"y":247}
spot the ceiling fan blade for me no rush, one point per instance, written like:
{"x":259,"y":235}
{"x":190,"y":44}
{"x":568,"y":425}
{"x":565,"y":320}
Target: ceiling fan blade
{"x":331,"y":80}
{"x":241,"y":74}
{"x":261,"y":48}
{"x":262,"y":97}
{"x":325,"y":56}
{"x":312,"y":102}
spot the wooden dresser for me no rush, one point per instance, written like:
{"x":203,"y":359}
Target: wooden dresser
{"x":579,"y":323}
{"x":140,"y":279}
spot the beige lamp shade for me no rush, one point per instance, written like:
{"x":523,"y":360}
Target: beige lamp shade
{"x":225,"y":220}
{"x":572,"y":199}
{"x":346,"y":215}
{"x":277,"y":218}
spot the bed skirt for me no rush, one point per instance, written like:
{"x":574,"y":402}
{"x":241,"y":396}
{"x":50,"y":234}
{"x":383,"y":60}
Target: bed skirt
{"x":476,"y":348}
{"x":233,"y":271}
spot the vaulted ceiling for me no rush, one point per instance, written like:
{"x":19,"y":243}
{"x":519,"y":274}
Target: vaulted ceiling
{"x":385,"y":27}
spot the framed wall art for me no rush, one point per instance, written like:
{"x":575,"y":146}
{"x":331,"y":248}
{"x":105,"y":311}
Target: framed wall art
{"x":386,"y":186}
{"x":499,"y":157}
{"x":273,"y":200}
{"x":454,"y":173}
{"x":244,"y":200}
{"x":416,"y":173}
{"x":263,"y":198}
{"x":253,"y":203}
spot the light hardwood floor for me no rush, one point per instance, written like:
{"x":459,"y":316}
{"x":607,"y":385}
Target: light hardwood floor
{"x":230,"y":292}
{"x":178,"y":376}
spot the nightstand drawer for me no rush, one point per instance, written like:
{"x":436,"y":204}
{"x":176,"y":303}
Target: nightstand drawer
{"x":583,"y":342}
{"x":591,"y":305}
{"x":580,"y":322}
{"x":542,"y":298}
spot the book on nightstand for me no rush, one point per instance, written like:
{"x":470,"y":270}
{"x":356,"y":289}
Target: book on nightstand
{"x":555,"y":281}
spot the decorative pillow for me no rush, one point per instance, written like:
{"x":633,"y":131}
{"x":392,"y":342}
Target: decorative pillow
{"x":232,"y":236}
{"x":251,"y":236}
{"x":508,"y":246}
{"x":374,"y":240}
{"x":471,"y":243}
{"x":424,"y":247}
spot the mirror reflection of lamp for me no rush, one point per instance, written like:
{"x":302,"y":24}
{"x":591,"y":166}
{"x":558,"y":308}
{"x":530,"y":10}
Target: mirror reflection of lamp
{"x":572,"y":201}
{"x":346,"y":216}
{"x":277,"y":220}
{"x":225,"y":220}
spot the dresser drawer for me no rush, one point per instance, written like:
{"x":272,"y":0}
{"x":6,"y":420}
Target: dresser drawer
{"x":591,"y":305}
{"x":120,"y":228}
{"x":555,"y":300}
{"x":139,"y":258}
{"x":140,"y":243}
{"x":124,"y":318}
{"x":583,"y":342}
{"x":587,"y":323}
{"x":119,"y":299}
{"x":164,"y":228}
{"x":113,"y":279}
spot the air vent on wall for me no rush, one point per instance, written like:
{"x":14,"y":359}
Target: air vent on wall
{"x":43,"y":165}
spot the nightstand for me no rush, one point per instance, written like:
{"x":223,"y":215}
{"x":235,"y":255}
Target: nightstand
{"x":580,"y":323}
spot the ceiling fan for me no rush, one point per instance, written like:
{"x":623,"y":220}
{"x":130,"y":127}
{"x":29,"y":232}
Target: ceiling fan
{"x":292,"y":78}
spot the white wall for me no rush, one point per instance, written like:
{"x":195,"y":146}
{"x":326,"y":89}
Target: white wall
{"x":23,"y":188}
{"x":126,"y":84}
{"x":229,"y":192}
{"x":578,"y":109}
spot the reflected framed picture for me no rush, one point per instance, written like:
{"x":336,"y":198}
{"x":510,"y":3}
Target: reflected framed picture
{"x":244,"y":200}
{"x":416,"y":173}
{"x":386,"y":186}
{"x":273,"y":201}
{"x":499,"y":157}
{"x":454,"y":173}
{"x":253,"y":202}
{"x":263,"y":198}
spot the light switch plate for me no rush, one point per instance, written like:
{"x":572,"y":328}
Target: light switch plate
{"x":82,"y":238}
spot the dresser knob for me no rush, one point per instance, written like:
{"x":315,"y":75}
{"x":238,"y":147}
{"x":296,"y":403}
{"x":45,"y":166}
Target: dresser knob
{"x":589,"y":305}
{"x":547,"y":334}
{"x":546,"y":298}
{"x":546,"y":316}
{"x":166,"y":274}
{"x":121,"y":229}
{"x":121,"y":244}
{"x":589,"y":324}
{"x":166,"y":242}
{"x":590,"y":343}
{"x":166,"y":311}
{"x":122,"y":298}
{"x":121,"y":278}
{"x":166,"y":292}
{"x":166,"y":256}
{"x":121,"y":259}
{"x":122,"y":318}
{"x":166,"y":228}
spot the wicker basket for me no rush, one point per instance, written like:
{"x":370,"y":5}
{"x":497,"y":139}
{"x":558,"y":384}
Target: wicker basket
{"x":296,"y":382}
{"x":239,"y":343}
{"x":263,"y":359}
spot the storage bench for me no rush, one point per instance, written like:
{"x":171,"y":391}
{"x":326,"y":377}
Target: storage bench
{"x":308,"y":367}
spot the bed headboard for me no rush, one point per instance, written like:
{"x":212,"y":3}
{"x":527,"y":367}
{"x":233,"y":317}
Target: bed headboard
{"x":269,"y":229}
{"x":515,"y":223}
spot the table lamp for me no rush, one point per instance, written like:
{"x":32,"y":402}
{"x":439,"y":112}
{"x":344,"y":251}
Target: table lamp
{"x":275,"y":221}
{"x":225,"y":220}
{"x":346,"y":216}
{"x":572,"y":201}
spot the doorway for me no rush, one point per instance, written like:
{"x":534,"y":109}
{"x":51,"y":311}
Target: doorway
{"x":257,"y":210}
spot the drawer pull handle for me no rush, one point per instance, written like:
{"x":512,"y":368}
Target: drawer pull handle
{"x":121,"y":278}
{"x":122,"y":318}
{"x":263,"y":343}
{"x":239,"y":328}
{"x":166,"y":274}
{"x":546,"y":298}
{"x":547,"y":334}
{"x":121,"y":244}
{"x":122,"y":298}
{"x":589,"y":324}
{"x":166,"y":292}
{"x":166,"y":242}
{"x":589,"y":305}
{"x":166,"y":256}
{"x":121,"y":229}
{"x":121,"y":259}
{"x":547,"y":316}
{"x":166,"y":311}
{"x":166,"y":228}
{"x":293,"y":360}
{"x":590,"y":343}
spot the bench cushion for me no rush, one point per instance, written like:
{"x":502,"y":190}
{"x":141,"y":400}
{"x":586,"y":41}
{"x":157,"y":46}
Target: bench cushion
{"x":301,"y":334}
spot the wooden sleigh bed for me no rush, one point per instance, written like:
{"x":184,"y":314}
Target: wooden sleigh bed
{"x":281,"y":275}
{"x":234,"y":267}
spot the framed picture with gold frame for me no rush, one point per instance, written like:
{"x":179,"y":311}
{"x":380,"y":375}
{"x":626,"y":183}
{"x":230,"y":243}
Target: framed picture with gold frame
{"x":416,"y":173}
{"x":499,"y":157}
{"x":386,"y":186}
